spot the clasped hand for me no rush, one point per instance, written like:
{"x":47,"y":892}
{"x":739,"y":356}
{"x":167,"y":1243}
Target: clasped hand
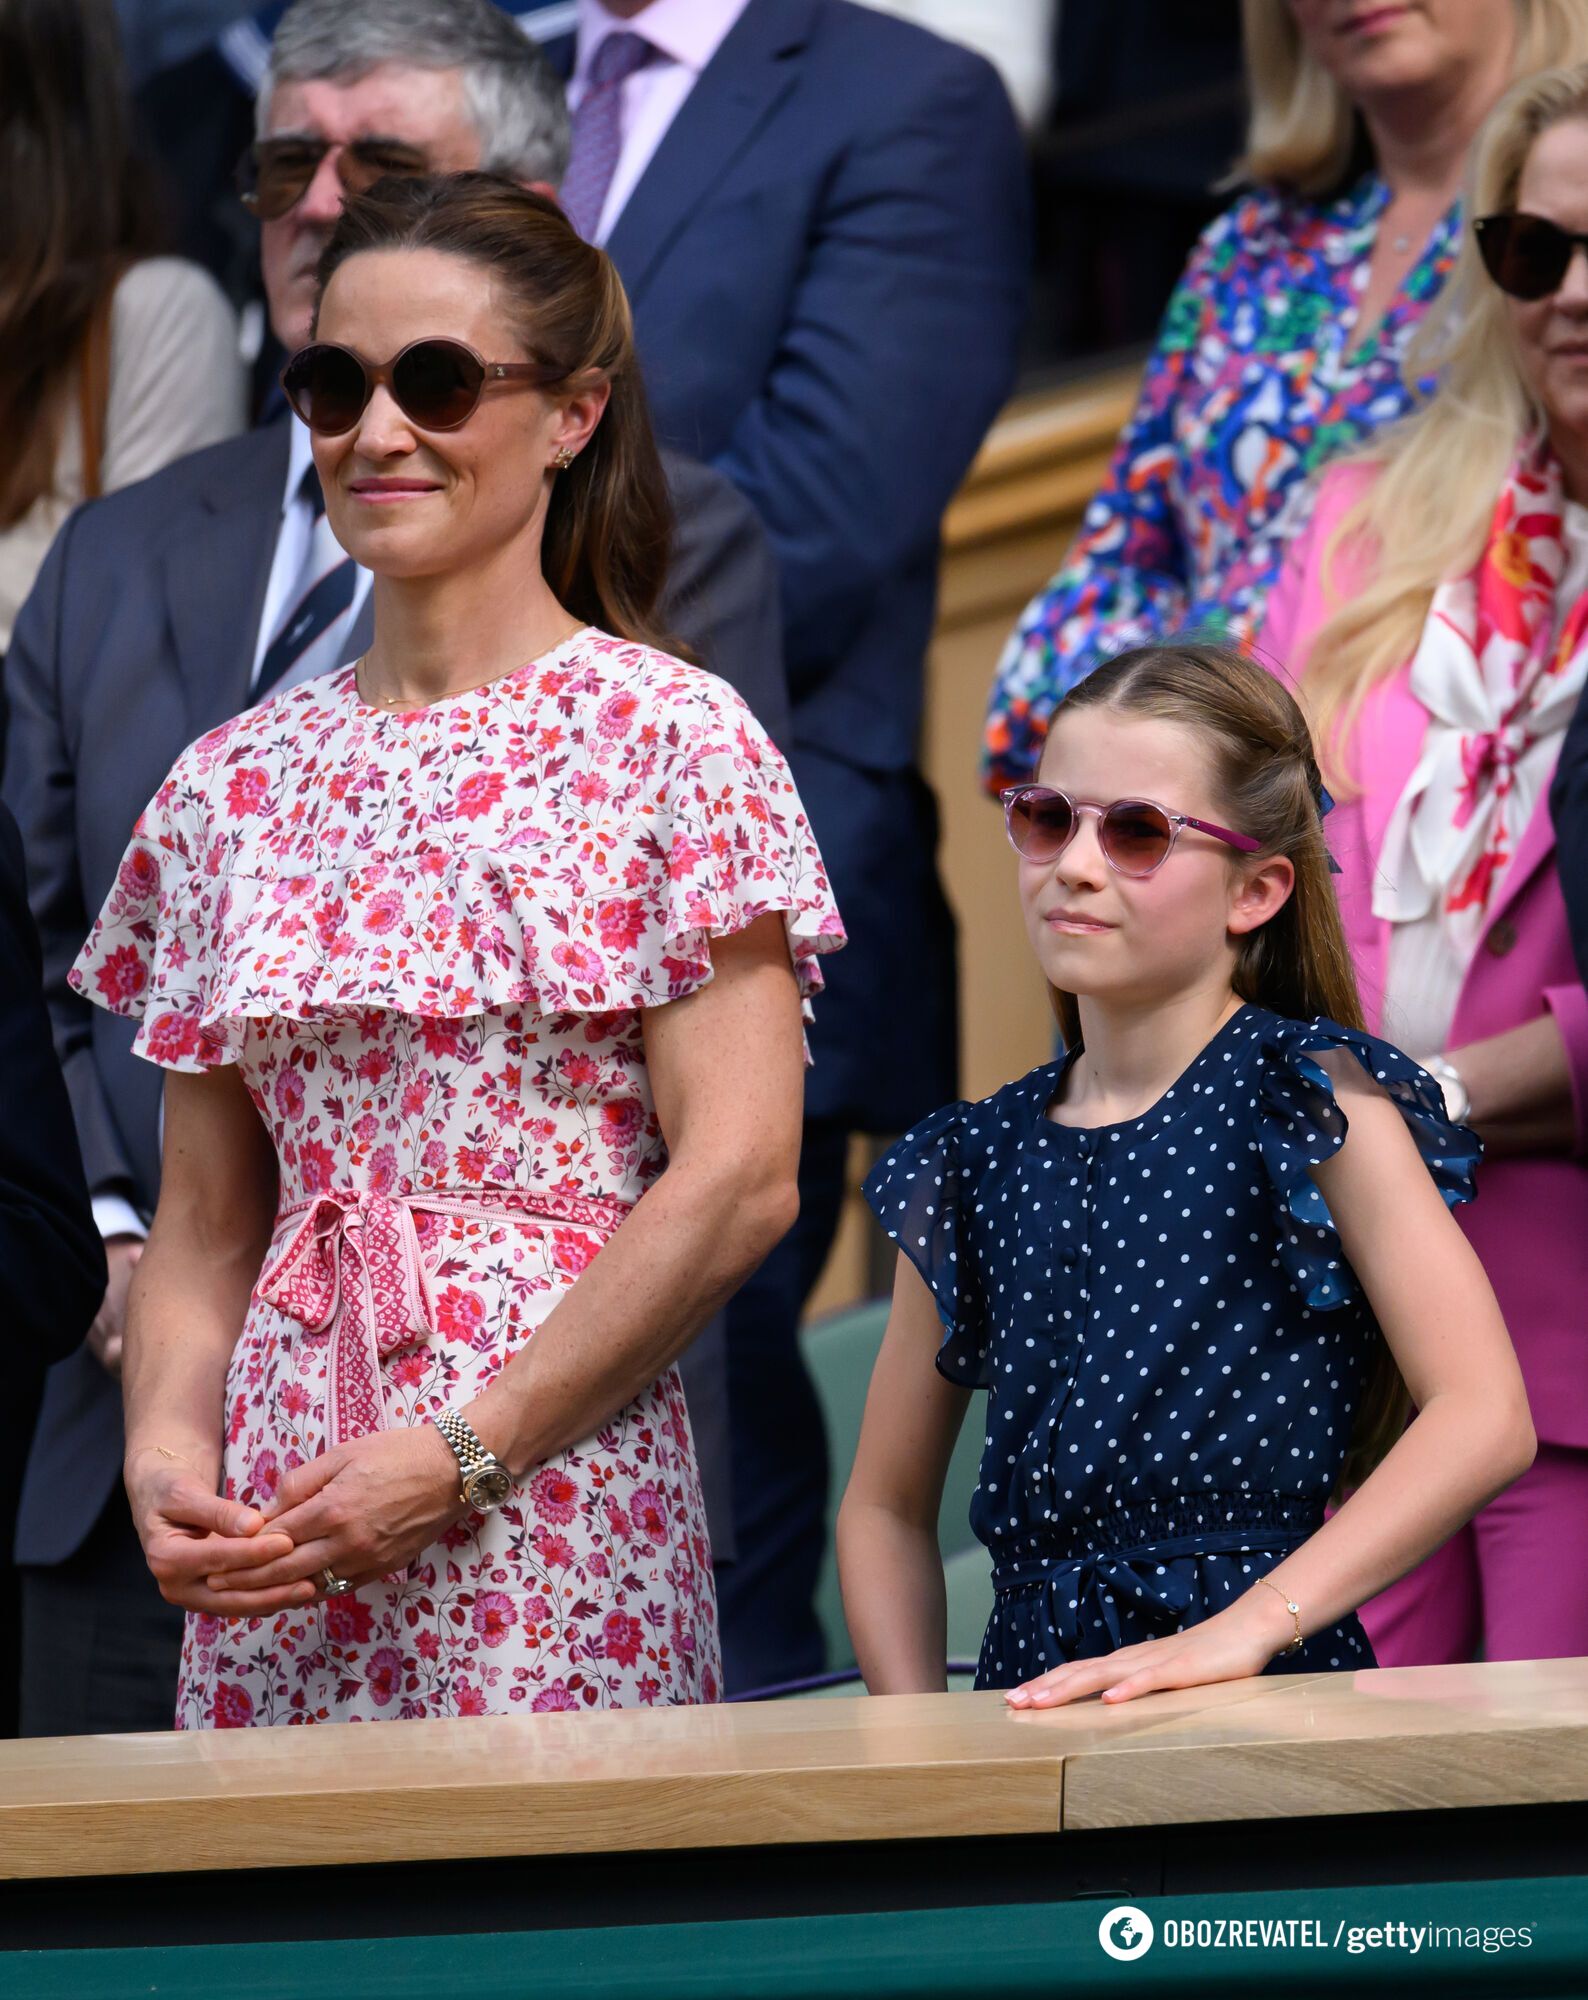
{"x":362,"y":1510}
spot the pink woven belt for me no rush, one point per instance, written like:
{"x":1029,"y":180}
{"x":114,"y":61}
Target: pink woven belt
{"x":353,"y":1267}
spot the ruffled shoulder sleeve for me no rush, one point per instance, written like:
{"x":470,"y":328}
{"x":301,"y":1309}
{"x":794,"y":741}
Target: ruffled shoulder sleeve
{"x":722,"y":840}
{"x":923,"y":1193}
{"x":150,"y":953}
{"x":1299,"y":1125}
{"x":570,"y":843}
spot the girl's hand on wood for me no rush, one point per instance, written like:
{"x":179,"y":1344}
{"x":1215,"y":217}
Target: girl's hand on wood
{"x":1230,"y":1646}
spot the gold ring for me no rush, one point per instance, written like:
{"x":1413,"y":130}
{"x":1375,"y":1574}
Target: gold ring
{"x":334,"y":1586}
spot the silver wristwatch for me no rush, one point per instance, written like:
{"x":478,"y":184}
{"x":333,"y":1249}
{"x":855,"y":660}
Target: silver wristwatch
{"x":486,"y":1480}
{"x":1458,"y":1104}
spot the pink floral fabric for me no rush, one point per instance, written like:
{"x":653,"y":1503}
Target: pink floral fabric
{"x":426,"y":939}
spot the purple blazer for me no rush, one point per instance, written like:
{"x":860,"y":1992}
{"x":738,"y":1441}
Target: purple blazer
{"x":1529,"y":1224}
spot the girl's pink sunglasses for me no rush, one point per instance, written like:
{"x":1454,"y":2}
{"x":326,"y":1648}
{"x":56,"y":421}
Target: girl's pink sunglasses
{"x":1136,"y":836}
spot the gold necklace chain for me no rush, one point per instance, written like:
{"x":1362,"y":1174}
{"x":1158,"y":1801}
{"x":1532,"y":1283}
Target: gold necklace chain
{"x":453,"y":694}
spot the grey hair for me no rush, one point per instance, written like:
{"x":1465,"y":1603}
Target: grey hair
{"x":513,"y":95}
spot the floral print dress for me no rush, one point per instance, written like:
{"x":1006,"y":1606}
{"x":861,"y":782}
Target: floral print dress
{"x":425,"y":938}
{"x":1259,"y":378}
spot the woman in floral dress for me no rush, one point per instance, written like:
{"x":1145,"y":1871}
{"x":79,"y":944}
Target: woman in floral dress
{"x":452,"y":956}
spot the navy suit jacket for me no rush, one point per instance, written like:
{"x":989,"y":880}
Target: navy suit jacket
{"x":52,"y":1263}
{"x":827,"y":261}
{"x":137,"y":637}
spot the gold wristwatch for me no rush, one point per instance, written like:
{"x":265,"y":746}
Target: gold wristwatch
{"x":485,"y":1479}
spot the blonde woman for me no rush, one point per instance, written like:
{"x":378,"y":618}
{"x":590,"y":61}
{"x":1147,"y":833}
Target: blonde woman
{"x":1436,"y":611}
{"x":1286,"y":339}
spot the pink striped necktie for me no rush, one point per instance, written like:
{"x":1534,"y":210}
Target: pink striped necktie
{"x":598,"y":130}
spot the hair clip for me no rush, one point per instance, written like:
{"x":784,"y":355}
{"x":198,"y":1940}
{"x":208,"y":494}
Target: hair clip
{"x":1325,"y":802}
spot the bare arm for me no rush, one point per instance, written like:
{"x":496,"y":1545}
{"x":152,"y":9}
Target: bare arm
{"x":1520,"y":1086}
{"x":189,"y":1297}
{"x":726,"y":1074}
{"x":1471,"y":1437}
{"x":725,"y":1070}
{"x":888,"y":1556}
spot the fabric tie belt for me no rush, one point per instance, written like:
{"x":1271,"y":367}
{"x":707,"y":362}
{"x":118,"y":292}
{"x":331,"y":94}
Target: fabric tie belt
{"x":1132,"y":1557}
{"x":354,"y":1268}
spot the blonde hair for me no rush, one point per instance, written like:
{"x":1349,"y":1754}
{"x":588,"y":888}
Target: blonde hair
{"x":1427,"y":514}
{"x":1268,"y":785}
{"x":1303,"y":131}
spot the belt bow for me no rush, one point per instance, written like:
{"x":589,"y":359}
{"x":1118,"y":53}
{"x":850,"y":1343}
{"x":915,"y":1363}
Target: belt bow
{"x":354,"y":1268}
{"x":353,"y":1265}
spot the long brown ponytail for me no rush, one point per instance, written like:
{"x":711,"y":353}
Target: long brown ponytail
{"x":608,"y":529}
{"x":1269,"y":786}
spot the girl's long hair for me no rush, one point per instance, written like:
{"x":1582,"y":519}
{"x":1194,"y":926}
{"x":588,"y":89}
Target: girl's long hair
{"x":608,"y":528}
{"x":75,"y":211}
{"x":1426,"y":516}
{"x":1269,"y":786}
{"x":1303,"y":132}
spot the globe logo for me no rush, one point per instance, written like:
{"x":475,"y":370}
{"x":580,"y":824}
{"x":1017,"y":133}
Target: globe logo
{"x":1125,"y":1931}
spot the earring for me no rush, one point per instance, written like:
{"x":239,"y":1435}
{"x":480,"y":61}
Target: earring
{"x":564,"y":458}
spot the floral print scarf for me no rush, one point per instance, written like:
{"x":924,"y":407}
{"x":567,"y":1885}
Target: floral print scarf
{"x":1499,"y":668}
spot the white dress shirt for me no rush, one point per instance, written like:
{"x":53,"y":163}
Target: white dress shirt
{"x":686,"y":35}
{"x":292,"y":549}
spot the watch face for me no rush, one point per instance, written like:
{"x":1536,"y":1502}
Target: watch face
{"x":487,"y":1489}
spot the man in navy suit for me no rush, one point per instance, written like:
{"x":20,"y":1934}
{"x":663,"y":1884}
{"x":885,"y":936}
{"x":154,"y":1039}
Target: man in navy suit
{"x":52,"y":1264}
{"x":819,"y":212}
{"x":162,"y":610}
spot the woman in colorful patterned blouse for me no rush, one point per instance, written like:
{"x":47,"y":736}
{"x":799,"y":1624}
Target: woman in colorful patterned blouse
{"x":1285,"y":340}
{"x":477,"y":969}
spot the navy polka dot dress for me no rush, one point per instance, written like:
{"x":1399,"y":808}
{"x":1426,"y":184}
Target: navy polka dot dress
{"x":1172,"y":1344}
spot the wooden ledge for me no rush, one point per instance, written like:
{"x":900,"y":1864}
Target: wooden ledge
{"x":910,"y":1767}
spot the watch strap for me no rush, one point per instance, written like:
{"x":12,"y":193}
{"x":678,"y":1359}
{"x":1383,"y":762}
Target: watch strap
{"x":1458,"y":1104}
{"x":470,"y":1453}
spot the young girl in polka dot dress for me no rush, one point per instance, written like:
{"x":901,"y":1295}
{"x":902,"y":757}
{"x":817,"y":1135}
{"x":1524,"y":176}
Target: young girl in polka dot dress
{"x":1197,"y":1264}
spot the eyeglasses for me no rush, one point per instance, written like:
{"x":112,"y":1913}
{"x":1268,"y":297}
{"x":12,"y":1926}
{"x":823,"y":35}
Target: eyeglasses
{"x":273,"y":175}
{"x":436,"y":383}
{"x":1526,"y":255}
{"x":1136,"y":836}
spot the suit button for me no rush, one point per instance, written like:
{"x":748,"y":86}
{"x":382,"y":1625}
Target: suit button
{"x":1501,"y":938}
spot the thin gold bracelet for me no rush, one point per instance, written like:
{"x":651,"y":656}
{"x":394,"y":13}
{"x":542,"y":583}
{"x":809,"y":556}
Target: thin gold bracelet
{"x":1295,"y":1611}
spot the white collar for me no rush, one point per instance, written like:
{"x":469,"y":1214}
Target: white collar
{"x":687,"y":32}
{"x":300,"y":456}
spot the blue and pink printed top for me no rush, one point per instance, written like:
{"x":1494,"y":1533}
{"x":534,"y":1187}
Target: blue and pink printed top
{"x":1257,"y":380}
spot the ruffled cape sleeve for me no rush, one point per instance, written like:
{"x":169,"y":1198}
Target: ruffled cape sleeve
{"x":151,"y":952}
{"x":733,"y":843}
{"x":591,"y":879}
{"x":922,"y":1192}
{"x":1299,"y":1125}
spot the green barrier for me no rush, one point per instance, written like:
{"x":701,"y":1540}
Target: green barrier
{"x":840,"y":1351}
{"x":1001,"y":1952}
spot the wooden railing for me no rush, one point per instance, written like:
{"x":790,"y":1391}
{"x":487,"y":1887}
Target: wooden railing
{"x":917,"y":1767}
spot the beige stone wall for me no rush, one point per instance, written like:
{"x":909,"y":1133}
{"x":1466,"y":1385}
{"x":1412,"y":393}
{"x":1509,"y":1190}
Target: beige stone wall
{"x":1003,"y":538}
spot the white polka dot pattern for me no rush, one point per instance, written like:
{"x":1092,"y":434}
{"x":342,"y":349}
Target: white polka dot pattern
{"x":1173,"y":1345}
